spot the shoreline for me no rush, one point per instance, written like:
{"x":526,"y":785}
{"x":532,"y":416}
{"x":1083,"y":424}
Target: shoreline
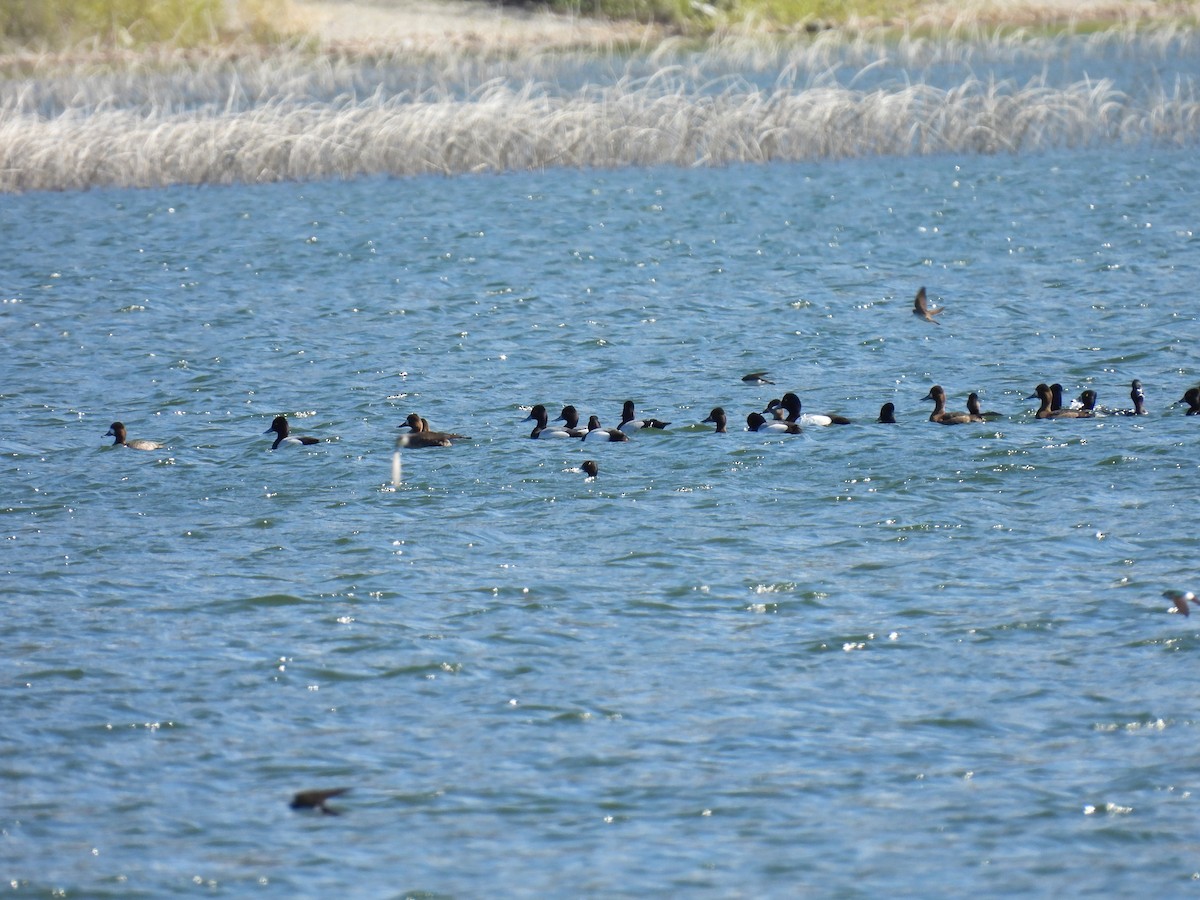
{"x":458,"y":28}
{"x":433,"y":26}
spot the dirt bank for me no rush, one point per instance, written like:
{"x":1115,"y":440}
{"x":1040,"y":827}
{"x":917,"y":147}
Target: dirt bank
{"x":455,"y":25}
{"x":432,"y":25}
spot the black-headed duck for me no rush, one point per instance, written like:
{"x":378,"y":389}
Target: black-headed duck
{"x":597,"y":432}
{"x":570,"y":419}
{"x":789,"y":409}
{"x":116,"y":431}
{"x":1138,"y":396}
{"x":543,"y":430}
{"x":756,"y":422}
{"x":630,"y":422}
{"x":887,"y":414}
{"x":279,"y":425}
{"x":1181,"y":600}
{"x":717,"y":418}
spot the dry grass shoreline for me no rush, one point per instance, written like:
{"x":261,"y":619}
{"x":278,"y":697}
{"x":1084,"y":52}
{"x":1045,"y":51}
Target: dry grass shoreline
{"x":434,"y":26}
{"x":468,"y":97}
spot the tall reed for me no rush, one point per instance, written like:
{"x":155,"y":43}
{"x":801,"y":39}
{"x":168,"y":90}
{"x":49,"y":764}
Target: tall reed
{"x":253,"y":117}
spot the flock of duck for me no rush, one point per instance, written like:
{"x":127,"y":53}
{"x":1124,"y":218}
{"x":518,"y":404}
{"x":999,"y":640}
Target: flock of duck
{"x":782,"y":416}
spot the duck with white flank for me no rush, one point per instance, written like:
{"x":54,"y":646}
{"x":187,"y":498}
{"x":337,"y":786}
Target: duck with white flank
{"x":1045,"y":394}
{"x":421,"y":435}
{"x":596,"y":432}
{"x":1181,"y":599}
{"x":543,"y":430}
{"x":630,"y":422}
{"x":283,"y":438}
{"x":1139,"y":401}
{"x":755,"y":422}
{"x":941,"y":416}
{"x":116,"y":431}
{"x":570,"y":419}
{"x":922,"y":310}
{"x":788,"y":410}
{"x":757,"y":378}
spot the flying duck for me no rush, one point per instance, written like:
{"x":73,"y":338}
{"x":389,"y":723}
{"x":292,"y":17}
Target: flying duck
{"x":921,"y":307}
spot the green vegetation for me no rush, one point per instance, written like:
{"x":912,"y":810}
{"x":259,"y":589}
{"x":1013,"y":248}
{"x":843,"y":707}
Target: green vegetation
{"x":130,"y":23}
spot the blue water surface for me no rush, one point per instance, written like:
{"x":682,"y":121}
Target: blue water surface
{"x":871,"y":660}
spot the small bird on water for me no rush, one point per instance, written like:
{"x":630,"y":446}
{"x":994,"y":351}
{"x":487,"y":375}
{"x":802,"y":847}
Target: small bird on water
{"x":590,"y":469}
{"x":757,"y":378}
{"x":420,"y":435}
{"x":116,"y":431}
{"x":921,"y":307}
{"x":284,"y":438}
{"x":316,"y":799}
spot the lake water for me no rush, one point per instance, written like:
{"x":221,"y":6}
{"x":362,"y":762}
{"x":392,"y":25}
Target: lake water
{"x":875,"y":660}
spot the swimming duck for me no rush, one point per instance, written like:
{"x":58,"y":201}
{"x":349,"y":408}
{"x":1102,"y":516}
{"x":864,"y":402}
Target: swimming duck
{"x":941,"y":416}
{"x":1087,"y":402}
{"x":1139,"y":401}
{"x":597,"y":432}
{"x":789,"y":409}
{"x":1056,"y":399}
{"x":630,"y":422}
{"x":921,"y":307}
{"x":422,"y":436}
{"x":590,"y":468}
{"x":887,"y":414}
{"x":717,"y":417}
{"x":543,"y":430}
{"x":1191,"y":398}
{"x":756,"y":422}
{"x":1044,"y":393}
{"x":570,"y":417}
{"x":976,"y":409}
{"x":116,"y":431}
{"x":757,"y":378}
{"x":279,"y":425}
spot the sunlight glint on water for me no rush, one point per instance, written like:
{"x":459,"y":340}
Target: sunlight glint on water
{"x":873,"y":659}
